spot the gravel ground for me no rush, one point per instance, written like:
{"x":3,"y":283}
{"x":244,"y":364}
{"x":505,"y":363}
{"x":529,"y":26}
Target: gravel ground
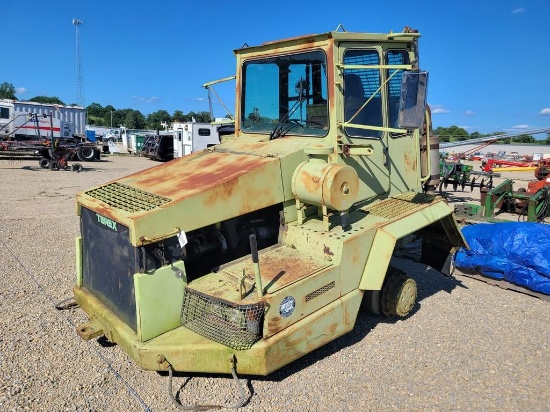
{"x":467,"y":346}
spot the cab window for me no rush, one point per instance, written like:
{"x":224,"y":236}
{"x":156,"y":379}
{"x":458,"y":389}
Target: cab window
{"x":362,"y":97}
{"x":286,"y":95}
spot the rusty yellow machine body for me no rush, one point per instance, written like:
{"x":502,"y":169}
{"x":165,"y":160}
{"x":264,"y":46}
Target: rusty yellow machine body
{"x":263,"y":248}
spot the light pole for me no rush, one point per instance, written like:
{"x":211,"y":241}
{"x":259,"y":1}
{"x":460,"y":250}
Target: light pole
{"x":111,"y":118}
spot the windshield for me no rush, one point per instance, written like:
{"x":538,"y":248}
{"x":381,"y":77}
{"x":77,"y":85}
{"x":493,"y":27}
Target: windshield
{"x":285,"y":95}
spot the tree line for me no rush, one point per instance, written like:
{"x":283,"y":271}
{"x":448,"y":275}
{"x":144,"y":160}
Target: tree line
{"x":458,"y":134}
{"x":133,"y":119}
{"x":110,"y":116}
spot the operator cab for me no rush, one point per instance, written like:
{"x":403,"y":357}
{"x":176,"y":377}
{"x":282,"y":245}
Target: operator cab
{"x":289,"y":94}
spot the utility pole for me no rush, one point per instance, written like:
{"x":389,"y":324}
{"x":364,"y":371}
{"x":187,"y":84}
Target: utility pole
{"x":80,"y":100}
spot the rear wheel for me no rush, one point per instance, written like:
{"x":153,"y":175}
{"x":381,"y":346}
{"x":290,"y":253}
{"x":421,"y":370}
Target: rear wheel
{"x":44,"y":163}
{"x":86,"y":153}
{"x":398,"y":293}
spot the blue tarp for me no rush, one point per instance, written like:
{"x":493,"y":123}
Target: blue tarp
{"x":517,"y":252}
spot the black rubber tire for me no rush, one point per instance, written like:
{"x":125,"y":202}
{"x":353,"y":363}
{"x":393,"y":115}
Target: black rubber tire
{"x":76,"y":167}
{"x":86,"y":153}
{"x":397,"y":293}
{"x":371,"y":302}
{"x":44,"y":163}
{"x":54,"y":165}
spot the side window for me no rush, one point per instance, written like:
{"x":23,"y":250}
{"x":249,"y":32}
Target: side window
{"x":204,"y":132}
{"x":362,"y":97}
{"x":4,"y":113}
{"x":395,"y":57}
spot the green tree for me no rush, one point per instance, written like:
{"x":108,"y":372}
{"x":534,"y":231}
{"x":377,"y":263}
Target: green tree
{"x":203,"y":117}
{"x":96,"y":110}
{"x":110,"y":118}
{"x":451,"y":134}
{"x":134,"y":120}
{"x":116,"y":118}
{"x":47,"y":100}
{"x":178,"y":116}
{"x":190,"y":116}
{"x":155,"y":119}
{"x":524,"y":138}
{"x":7,"y":91}
{"x":501,"y":141}
{"x":547,"y":141}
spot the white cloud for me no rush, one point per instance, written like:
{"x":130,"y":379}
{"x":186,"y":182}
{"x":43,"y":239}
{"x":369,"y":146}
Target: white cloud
{"x":518,"y":10}
{"x":469,"y":113}
{"x":20,"y":90}
{"x":438,"y":109}
{"x":521,"y":127}
{"x":145,"y":99}
{"x":545,"y":112}
{"x":198,"y":99}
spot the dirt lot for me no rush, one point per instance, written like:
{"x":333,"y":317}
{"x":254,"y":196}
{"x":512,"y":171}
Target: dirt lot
{"x":467,"y":345}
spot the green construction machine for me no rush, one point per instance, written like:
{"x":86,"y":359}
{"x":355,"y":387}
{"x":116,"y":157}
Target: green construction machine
{"x":252,"y":253}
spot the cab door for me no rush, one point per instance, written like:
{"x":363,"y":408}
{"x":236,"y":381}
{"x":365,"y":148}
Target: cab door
{"x":364,"y":142}
{"x":385,"y":156}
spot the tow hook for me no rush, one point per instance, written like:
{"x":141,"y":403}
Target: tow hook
{"x":90,"y":330}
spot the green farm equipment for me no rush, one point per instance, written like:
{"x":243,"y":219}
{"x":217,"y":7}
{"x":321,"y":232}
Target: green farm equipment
{"x":533,"y":203}
{"x":461,"y":175}
{"x":252,"y":253}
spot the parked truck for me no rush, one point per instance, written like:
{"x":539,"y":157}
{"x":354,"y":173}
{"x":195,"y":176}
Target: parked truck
{"x":184,"y":138}
{"x":191,"y":137}
{"x":37,"y":128}
{"x":31,"y":121}
{"x":251,"y":253}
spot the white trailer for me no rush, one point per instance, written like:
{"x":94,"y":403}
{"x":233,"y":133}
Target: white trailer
{"x":191,"y":136}
{"x":30,"y":120}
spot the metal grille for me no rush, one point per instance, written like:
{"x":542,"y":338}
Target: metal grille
{"x":236,"y":326}
{"x":320,"y":291}
{"x":399,"y":205}
{"x":127,"y":198}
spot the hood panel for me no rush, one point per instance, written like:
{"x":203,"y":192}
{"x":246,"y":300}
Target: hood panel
{"x":188,"y":193}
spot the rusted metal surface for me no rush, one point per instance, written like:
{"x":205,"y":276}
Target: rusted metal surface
{"x":219,"y":185}
{"x":321,"y":327}
{"x":197,"y":175}
{"x":89,"y":330}
{"x":307,"y":38}
{"x":280,"y":266}
{"x":310,"y":294}
{"x":321,"y":183}
{"x":410,"y":161}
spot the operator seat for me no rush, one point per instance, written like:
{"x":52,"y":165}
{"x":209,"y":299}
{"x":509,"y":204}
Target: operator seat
{"x":354,"y":98}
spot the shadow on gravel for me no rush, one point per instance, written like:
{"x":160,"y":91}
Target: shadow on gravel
{"x":458,"y":197}
{"x":85,"y":168}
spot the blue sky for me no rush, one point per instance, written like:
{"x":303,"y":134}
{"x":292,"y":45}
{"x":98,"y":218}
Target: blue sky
{"x":488,"y":59}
